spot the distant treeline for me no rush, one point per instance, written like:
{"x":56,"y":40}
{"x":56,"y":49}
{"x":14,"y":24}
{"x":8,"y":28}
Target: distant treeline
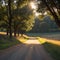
{"x":45,"y":25}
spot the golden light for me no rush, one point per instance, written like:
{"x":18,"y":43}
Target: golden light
{"x":45,"y":13}
{"x":34,"y":11}
{"x":36,"y":14}
{"x":40,"y":13}
{"x":14,"y":1}
{"x":32,"y":42}
{"x":33,"y":5}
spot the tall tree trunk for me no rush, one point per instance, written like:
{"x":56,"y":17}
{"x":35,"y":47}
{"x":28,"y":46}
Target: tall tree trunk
{"x":14,"y":33}
{"x":21,"y":35}
{"x":10,"y":18}
{"x":18,"y":32}
{"x":7,"y":31}
{"x":53,"y":2}
{"x":15,"y":29}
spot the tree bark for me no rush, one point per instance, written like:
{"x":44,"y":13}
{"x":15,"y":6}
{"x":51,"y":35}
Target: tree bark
{"x":14,"y":33}
{"x":15,"y":29}
{"x":21,"y":35}
{"x":18,"y":33}
{"x":10,"y":18}
{"x":7,"y":31}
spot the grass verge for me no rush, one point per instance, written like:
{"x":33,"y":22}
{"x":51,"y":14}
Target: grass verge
{"x":23,"y":39}
{"x":53,"y":49}
{"x":41,"y":40}
{"x":5,"y":42}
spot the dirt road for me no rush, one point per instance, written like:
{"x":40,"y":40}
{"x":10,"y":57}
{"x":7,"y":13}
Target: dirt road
{"x":31,"y":50}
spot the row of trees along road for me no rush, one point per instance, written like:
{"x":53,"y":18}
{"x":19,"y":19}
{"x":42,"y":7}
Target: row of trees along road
{"x":16,"y":16}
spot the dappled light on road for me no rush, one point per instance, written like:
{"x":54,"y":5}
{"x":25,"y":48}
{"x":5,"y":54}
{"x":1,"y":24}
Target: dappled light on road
{"x":32,"y":42}
{"x":22,"y":40}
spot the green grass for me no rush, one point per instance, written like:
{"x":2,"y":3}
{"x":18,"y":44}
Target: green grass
{"x":53,"y":49}
{"x":5,"y":42}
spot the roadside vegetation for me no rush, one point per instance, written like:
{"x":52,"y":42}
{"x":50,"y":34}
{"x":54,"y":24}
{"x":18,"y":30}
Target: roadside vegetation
{"x":51,"y":43}
{"x":23,"y":38}
{"x":53,"y":49}
{"x":6,"y":42}
{"x":41,"y":40}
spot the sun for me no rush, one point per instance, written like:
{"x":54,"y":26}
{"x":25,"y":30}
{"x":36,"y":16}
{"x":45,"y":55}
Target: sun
{"x":33,"y":5}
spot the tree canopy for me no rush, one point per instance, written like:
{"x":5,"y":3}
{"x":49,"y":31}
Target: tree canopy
{"x":16,"y":15}
{"x":53,"y":6}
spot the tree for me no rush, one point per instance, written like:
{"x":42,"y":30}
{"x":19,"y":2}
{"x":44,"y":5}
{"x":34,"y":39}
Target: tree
{"x":10,"y":17}
{"x":53,"y":7}
{"x":20,"y":17}
{"x":23,"y":20}
{"x":4,"y":15}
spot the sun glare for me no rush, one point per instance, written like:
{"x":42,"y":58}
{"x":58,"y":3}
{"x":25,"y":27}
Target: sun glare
{"x":45,"y":13}
{"x":36,"y":14}
{"x":33,"y":5}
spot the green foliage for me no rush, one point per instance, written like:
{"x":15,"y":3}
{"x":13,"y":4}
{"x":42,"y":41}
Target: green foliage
{"x":5,"y":42}
{"x":41,"y":17}
{"x":52,"y":6}
{"x":23,"y":19}
{"x":22,"y":15}
{"x":44,"y":26}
